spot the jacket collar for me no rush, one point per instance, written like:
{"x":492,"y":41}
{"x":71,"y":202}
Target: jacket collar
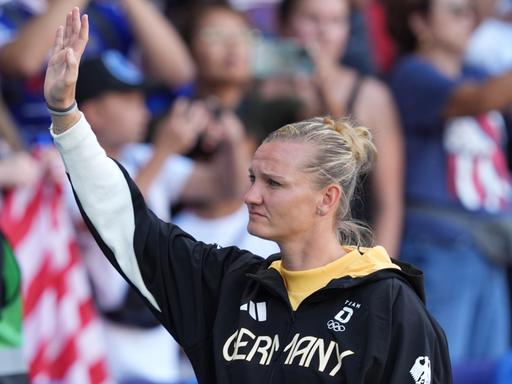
{"x":272,"y":280}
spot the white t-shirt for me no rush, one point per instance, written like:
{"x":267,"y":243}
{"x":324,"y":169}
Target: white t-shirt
{"x":132,"y":352}
{"x":490,"y":47}
{"x":167,"y":186}
{"x":225,"y":231}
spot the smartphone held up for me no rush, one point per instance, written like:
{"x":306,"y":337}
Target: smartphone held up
{"x":277,"y":57}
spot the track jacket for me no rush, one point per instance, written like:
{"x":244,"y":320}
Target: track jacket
{"x":231,"y":312}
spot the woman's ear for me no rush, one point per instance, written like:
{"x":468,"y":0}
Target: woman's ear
{"x":331,"y":196}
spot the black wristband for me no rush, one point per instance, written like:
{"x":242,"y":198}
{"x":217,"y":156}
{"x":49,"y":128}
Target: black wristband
{"x":61,"y":111}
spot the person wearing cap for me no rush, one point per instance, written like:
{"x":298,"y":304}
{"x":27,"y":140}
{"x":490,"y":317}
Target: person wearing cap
{"x":110,"y":93}
{"x":26,"y":35}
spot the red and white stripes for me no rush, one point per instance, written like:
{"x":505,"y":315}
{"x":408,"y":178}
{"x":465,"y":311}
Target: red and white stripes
{"x":62,"y":334}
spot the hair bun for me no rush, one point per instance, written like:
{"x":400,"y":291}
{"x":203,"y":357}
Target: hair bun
{"x":338,"y":125}
{"x":358,"y":138}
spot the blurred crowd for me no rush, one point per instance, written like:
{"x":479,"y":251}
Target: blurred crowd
{"x":181,"y":93}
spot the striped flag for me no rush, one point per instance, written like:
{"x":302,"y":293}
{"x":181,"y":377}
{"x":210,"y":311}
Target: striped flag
{"x":62,"y":334}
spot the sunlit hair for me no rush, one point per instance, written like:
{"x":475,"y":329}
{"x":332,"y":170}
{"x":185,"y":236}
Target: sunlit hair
{"x":344,"y":151}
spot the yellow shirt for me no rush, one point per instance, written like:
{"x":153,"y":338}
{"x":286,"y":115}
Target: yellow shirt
{"x":301,"y":284}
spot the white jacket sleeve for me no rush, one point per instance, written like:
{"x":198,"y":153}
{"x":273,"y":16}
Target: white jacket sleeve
{"x":103,"y":195}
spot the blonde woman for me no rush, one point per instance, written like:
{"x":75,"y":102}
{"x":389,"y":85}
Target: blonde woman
{"x":319,"y":311}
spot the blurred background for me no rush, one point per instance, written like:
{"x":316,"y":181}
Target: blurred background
{"x":164,"y":84}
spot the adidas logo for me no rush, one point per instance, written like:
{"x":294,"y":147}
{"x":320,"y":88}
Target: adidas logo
{"x":258,"y":311}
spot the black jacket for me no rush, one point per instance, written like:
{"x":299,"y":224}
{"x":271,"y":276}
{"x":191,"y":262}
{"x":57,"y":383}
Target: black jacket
{"x":231,"y":313}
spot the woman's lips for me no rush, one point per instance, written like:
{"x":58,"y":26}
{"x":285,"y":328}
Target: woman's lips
{"x":256,"y":214}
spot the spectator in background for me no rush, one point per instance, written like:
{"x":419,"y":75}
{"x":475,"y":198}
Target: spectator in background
{"x":127,"y":26}
{"x":358,"y":53}
{"x":458,"y":192}
{"x":220,"y":42}
{"x":110,"y":95}
{"x":490,"y":46}
{"x":322,"y":26}
{"x":382,"y":45}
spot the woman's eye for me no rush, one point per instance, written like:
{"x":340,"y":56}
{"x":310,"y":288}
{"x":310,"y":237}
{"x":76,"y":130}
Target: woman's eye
{"x":252,"y":179}
{"x":273,"y":183}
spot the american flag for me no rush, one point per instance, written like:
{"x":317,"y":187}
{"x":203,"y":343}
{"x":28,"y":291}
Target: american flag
{"x":62,"y":333}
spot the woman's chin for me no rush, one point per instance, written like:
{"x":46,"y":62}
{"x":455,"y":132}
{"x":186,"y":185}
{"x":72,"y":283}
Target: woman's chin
{"x":256,"y":229}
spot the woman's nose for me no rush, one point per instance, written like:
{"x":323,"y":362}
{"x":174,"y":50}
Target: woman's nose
{"x":252,"y":195}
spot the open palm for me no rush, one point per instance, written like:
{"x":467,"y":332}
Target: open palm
{"x":62,"y":71}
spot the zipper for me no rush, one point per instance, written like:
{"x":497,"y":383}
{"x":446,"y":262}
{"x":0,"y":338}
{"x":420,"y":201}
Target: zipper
{"x":275,"y":361}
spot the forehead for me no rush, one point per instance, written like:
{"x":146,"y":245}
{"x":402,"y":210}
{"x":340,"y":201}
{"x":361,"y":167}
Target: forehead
{"x":114,"y":97}
{"x":322,"y":6}
{"x":282,"y":158}
{"x":221,"y":18}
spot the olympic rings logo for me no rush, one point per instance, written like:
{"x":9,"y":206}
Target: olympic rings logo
{"x":335,"y":326}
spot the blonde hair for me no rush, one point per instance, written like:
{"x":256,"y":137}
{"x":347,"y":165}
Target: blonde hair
{"x":344,"y":152}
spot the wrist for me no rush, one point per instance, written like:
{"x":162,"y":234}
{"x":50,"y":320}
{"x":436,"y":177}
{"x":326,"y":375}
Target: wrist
{"x":57,"y":111}
{"x":60,"y":124}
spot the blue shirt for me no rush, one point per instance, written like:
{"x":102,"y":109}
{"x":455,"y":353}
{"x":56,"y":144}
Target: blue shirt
{"x":458,"y":162}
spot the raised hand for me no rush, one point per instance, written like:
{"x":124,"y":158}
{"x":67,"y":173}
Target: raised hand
{"x":180,"y":130}
{"x":232,"y":129}
{"x":62,"y":71}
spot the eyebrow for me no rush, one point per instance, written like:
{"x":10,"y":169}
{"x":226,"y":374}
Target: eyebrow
{"x":268,"y":175}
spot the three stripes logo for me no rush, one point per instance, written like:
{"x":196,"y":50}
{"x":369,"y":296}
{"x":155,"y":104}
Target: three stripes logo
{"x":258,"y":311}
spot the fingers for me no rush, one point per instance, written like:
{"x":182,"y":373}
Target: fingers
{"x":198,"y":116}
{"x":59,"y":40}
{"x":75,"y":21}
{"x":191,"y":112}
{"x":68,"y":28}
{"x":80,"y":38}
{"x":84,"y":29}
{"x":76,"y":31}
{"x":233,"y":130}
{"x":180,"y":108}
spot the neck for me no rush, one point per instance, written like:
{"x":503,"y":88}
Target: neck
{"x":228,"y":95}
{"x":113,"y":151}
{"x":217,"y":210}
{"x":448,"y":62}
{"x":312,"y":251}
